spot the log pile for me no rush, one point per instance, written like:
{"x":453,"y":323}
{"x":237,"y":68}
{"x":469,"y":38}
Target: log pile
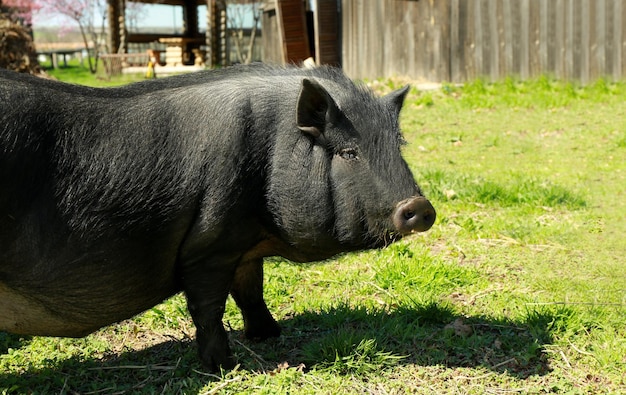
{"x":17,"y":49}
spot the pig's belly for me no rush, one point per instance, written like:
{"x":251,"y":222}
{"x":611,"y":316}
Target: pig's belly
{"x":23,"y":315}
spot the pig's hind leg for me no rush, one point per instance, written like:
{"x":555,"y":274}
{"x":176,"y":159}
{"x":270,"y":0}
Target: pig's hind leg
{"x":247,"y":291}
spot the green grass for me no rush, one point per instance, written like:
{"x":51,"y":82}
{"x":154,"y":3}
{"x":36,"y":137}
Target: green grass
{"x":78,"y":73}
{"x":520,"y":287}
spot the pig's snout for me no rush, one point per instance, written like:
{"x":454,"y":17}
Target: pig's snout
{"x":414,"y":215}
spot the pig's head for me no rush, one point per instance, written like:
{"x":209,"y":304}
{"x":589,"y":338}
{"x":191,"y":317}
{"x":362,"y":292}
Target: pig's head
{"x":339,"y":182}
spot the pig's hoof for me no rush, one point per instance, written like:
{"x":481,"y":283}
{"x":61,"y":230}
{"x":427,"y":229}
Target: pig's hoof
{"x":217,"y":356}
{"x":262,"y":332}
{"x":214,"y":364}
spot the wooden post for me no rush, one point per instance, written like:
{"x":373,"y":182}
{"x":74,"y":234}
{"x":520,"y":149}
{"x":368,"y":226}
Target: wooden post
{"x":210,"y":33}
{"x":222,"y":34}
{"x":113,"y":15}
{"x":281,"y":30}
{"x":190,"y":29}
{"x":215,"y":33}
{"x":190,"y":18}
{"x":123,"y":43}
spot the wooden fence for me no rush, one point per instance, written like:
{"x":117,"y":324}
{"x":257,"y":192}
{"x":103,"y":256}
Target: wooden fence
{"x":460,"y":40}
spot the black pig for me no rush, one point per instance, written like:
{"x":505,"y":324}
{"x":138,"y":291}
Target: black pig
{"x":112,"y":200}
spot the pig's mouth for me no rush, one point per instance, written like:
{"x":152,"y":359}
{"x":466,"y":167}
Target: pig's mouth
{"x":386,"y":239}
{"x":380,"y":239}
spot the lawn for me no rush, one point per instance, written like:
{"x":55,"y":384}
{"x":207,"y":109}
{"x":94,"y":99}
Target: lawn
{"x":519,"y":287}
{"x":77,"y":73}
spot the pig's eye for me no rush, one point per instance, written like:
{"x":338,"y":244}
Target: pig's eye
{"x":348,"y":154}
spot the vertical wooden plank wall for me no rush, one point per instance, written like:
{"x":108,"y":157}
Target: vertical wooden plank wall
{"x":270,"y":39}
{"x":392,"y":37}
{"x":460,"y":40}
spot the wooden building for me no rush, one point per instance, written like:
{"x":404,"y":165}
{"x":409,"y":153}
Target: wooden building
{"x":294,"y":30}
{"x":453,"y":40}
{"x":185,"y":46}
{"x":442,"y":40}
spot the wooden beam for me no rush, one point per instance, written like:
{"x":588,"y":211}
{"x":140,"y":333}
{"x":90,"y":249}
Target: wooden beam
{"x":181,"y":3}
{"x":152,"y":37}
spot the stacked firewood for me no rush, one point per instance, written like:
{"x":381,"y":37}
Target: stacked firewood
{"x":17,"y":49}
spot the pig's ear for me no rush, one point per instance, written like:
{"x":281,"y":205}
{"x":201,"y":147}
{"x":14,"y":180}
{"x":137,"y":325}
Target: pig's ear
{"x":315,"y":108}
{"x":396,"y":98}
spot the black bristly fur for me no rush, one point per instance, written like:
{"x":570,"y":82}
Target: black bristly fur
{"x":114,"y":199}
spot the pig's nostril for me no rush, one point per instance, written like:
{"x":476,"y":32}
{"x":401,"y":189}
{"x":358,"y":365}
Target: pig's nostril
{"x":408,"y":215}
{"x":429,"y":216}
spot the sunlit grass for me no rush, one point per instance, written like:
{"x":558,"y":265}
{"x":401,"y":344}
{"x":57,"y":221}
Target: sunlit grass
{"x":518,"y":288}
{"x":79,"y":73}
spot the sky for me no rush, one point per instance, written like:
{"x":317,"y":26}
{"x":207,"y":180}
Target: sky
{"x":160,"y":15}
{"x":154,"y":15}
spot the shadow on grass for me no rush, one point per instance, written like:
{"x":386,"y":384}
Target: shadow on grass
{"x":348,"y":340}
{"x":168,"y":367}
{"x":9,"y":341}
{"x":341,"y":340}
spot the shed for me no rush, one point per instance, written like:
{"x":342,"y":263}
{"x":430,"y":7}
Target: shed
{"x":294,"y":30}
{"x":452,"y":40}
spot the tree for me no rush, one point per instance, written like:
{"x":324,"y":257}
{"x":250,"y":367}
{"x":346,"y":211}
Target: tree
{"x":134,"y":13}
{"x":84,"y":13}
{"x":238,"y":14}
{"x":19,"y":11}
